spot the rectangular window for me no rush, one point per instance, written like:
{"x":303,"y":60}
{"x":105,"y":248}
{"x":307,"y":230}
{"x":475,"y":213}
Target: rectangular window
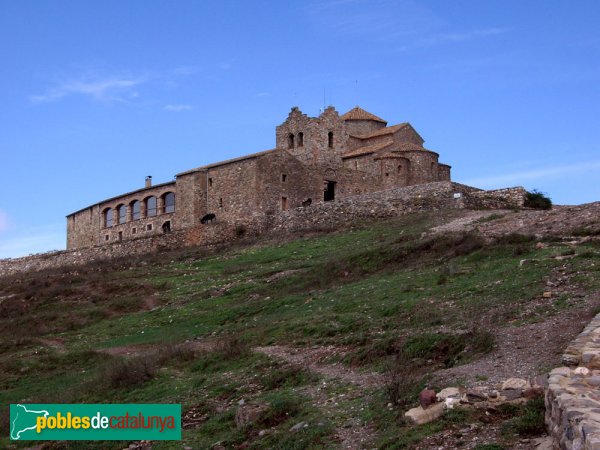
{"x":283,"y":177}
{"x":210,"y":182}
{"x":149,"y":227}
{"x":120,"y":235}
{"x":106,"y":237}
{"x":134,"y":230}
{"x":220,"y":203}
{"x":284,"y":204}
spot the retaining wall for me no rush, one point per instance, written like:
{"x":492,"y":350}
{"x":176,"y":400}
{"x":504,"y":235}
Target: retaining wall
{"x":573,"y":394}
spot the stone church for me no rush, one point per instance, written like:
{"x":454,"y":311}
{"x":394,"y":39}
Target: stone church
{"x":316,"y":159}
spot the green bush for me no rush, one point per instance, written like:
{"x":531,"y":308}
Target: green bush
{"x":537,"y":200}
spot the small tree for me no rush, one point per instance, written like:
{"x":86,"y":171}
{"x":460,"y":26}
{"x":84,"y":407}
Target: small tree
{"x":537,"y":200}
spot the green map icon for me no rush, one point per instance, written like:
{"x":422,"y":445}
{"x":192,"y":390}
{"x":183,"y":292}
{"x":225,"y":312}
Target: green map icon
{"x":23,"y":419}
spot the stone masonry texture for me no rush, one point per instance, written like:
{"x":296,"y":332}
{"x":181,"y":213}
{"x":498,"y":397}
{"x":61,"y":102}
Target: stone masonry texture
{"x":316,"y":160}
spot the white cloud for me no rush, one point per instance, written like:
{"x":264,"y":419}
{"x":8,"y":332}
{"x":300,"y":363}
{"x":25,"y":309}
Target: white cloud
{"x":33,"y":240}
{"x":263,"y":94}
{"x":115,"y":88}
{"x":533,"y":174}
{"x":178,"y":108}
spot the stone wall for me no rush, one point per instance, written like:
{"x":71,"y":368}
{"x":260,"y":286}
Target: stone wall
{"x":573,"y":394}
{"x":329,"y":215}
{"x":498,"y":198}
{"x":86,"y":228}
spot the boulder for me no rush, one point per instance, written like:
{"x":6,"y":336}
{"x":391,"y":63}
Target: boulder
{"x":427,"y":398}
{"x":420,"y":416}
{"x":249,"y":413}
{"x":448,"y":392}
{"x":515,"y":383}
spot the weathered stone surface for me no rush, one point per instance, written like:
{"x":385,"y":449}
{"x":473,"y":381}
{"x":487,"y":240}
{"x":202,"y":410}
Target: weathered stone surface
{"x":515,"y":383}
{"x":419,"y":416}
{"x":572,"y":398}
{"x":448,"y":392}
{"x":340,"y":213}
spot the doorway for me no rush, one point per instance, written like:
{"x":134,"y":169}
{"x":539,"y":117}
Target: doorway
{"x":329,"y":194}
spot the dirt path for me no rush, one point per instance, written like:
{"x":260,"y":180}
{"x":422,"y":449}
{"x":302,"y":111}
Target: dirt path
{"x":311,"y":357}
{"x":465,"y":222}
{"x":352,"y":433}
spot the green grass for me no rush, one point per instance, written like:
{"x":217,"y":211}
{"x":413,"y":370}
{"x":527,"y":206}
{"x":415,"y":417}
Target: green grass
{"x":376,"y":290}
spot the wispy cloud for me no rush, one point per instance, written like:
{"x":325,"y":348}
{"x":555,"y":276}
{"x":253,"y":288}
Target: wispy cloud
{"x":178,"y":108}
{"x":33,"y":240}
{"x":263,"y":94}
{"x":441,"y":38}
{"x":405,"y":23}
{"x":112,"y":88}
{"x":534,"y":174}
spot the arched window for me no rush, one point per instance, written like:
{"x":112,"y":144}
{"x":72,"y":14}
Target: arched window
{"x":301,"y":139}
{"x":151,"y":207}
{"x":400,"y":168}
{"x":169,"y":202}
{"x":122,"y":213}
{"x":136,"y":210}
{"x":291,"y":141}
{"x":330,"y":139}
{"x":108,"y":218}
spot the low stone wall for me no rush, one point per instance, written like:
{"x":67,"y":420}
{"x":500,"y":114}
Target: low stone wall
{"x":330,"y":215}
{"x":497,"y":199}
{"x":210,"y":234}
{"x":573,"y":394}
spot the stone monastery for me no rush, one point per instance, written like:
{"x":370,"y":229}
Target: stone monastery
{"x":316,"y":159}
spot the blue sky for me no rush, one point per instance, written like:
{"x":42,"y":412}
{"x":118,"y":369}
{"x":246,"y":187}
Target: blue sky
{"x":97,"y":95}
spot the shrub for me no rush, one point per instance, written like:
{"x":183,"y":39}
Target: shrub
{"x":288,"y":377}
{"x":537,"y":200}
{"x":531,"y":420}
{"x":402,"y":384}
{"x":232,"y":348}
{"x":126,"y":373}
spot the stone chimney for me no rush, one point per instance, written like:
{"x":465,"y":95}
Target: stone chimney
{"x":149,"y":181}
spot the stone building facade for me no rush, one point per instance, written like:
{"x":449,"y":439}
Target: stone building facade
{"x":316,"y":159}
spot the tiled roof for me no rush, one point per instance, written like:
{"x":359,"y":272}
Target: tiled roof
{"x":389,"y":154}
{"x":227,"y":161}
{"x":358,"y":113}
{"x":383,"y":131}
{"x":407,"y":146}
{"x":367,"y":150}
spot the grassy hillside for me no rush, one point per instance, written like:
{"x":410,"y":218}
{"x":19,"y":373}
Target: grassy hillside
{"x":382,"y":303}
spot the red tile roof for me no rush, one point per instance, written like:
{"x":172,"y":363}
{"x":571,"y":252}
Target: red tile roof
{"x":358,"y":113}
{"x":383,"y":131}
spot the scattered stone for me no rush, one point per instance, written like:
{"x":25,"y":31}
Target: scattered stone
{"x":448,"y":392}
{"x":474,"y":397}
{"x":511,"y":394}
{"x":420,"y":416}
{"x":427,"y":398}
{"x":582,"y":371}
{"x":547,"y":294}
{"x":249,"y":413}
{"x":451,"y":402}
{"x":515,"y":383}
{"x":299,"y":426}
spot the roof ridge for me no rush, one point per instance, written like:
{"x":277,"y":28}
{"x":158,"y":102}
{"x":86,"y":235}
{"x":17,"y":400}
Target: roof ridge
{"x":357,"y":113}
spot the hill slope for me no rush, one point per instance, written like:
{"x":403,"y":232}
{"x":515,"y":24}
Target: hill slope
{"x":331,"y":335}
